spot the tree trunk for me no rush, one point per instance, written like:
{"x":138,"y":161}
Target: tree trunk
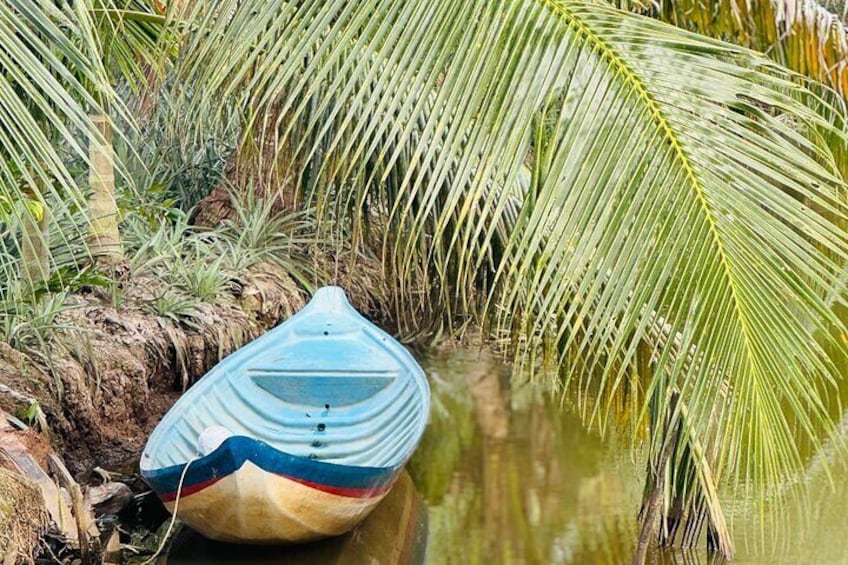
{"x":35,"y":256}
{"x":667,"y":436}
{"x":104,"y":240}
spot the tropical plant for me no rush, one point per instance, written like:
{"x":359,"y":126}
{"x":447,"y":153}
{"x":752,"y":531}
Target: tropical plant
{"x":174,"y":306}
{"x":187,"y":263}
{"x":128,"y":39}
{"x":204,"y":279}
{"x":50,"y":85}
{"x":806,"y":36}
{"x":30,"y":329}
{"x":59,"y":60}
{"x":563,"y":172}
{"x":261,"y":232}
{"x":175,"y":169}
{"x":576,"y":176}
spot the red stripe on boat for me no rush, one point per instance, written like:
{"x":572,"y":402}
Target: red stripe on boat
{"x":185,"y":491}
{"x":349,"y":492}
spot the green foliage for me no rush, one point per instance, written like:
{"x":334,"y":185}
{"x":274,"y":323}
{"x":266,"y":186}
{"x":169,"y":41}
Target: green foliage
{"x":183,"y":262}
{"x":197,"y":265}
{"x":204,"y":279}
{"x":260,"y":232}
{"x":174,"y":168}
{"x":808,"y":37}
{"x":174,"y":306}
{"x":29,"y":325}
{"x":573,"y":175}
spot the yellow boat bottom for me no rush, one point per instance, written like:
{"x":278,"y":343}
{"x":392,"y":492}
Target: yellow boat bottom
{"x":255,"y":506}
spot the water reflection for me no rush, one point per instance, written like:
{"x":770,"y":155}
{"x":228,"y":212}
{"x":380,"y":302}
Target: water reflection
{"x":394,"y":534}
{"x":511,"y":477}
{"x":508,"y":474}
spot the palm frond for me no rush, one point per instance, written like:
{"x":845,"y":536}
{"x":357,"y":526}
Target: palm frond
{"x":59,"y":61}
{"x":805,"y":36}
{"x":131,"y":38}
{"x":50,"y":87}
{"x":586,"y":168}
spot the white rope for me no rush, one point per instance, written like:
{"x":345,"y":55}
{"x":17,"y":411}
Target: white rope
{"x":173,"y":514}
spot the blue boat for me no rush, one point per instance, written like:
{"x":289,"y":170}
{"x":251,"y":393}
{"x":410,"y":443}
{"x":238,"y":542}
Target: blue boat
{"x":296,"y":436}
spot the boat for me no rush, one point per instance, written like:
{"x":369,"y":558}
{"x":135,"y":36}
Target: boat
{"x":395,"y":533}
{"x":295,"y":437}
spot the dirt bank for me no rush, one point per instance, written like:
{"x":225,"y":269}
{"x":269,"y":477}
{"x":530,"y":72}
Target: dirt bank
{"x":114,"y":371}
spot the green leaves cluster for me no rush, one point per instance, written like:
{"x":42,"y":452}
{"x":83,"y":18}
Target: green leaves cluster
{"x":560,"y":171}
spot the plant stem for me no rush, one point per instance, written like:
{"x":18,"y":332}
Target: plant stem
{"x":104,"y":239}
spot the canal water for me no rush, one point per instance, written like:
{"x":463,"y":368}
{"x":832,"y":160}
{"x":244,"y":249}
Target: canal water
{"x":508,"y":473}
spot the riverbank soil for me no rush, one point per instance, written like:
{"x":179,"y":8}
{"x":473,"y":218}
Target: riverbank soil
{"x":110,"y":375}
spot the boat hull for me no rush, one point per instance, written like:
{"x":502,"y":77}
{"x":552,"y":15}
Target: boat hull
{"x":255,"y":506}
{"x":248,"y":492}
{"x":394,"y":533}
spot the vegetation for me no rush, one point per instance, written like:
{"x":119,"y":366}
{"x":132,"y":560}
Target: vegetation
{"x":583,"y":183}
{"x":22,"y":524}
{"x":808,"y":37}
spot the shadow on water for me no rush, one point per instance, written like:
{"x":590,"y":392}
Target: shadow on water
{"x":395,"y":533}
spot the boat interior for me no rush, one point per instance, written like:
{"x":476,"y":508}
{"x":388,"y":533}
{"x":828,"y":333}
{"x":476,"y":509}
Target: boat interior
{"x":326,"y":385}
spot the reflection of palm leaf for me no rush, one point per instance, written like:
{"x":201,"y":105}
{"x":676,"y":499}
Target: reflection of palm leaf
{"x":450,"y":434}
{"x":670,"y":174}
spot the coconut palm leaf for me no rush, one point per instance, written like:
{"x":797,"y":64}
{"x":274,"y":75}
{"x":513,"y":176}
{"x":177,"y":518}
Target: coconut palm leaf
{"x":59,"y":59}
{"x":805,"y":36}
{"x":588,"y":169}
{"x":50,"y":87}
{"x":130,"y":38}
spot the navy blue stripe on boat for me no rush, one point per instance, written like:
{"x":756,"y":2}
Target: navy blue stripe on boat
{"x":236,"y":450}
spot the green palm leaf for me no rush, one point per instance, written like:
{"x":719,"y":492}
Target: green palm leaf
{"x":805,"y":36}
{"x":50,"y":85}
{"x":591,"y":171}
{"x":58,"y":61}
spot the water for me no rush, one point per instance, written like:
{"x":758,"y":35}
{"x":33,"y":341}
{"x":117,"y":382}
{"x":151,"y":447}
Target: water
{"x":507,"y":474}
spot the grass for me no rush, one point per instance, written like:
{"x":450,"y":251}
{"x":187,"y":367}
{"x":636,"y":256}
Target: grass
{"x":199,"y":265}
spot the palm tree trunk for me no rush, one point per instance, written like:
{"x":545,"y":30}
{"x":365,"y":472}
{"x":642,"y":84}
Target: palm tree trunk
{"x":104,"y":240}
{"x":669,"y":432}
{"x":35,"y":258}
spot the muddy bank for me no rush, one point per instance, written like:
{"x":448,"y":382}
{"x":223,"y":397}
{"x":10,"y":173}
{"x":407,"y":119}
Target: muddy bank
{"x":109,"y":376}
{"x":106,"y":380}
